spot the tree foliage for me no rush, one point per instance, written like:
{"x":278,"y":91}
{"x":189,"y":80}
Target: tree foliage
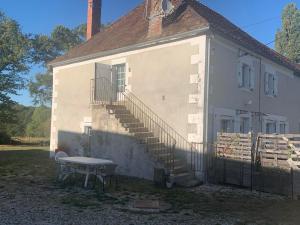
{"x":39,"y":126}
{"x":28,"y":121}
{"x":288,"y":36}
{"x":15,"y":56}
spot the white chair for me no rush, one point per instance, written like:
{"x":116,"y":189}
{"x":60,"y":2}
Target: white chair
{"x":59,"y":155}
{"x":63,"y":169}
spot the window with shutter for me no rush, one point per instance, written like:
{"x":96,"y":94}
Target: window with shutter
{"x":246,"y":76}
{"x":271,"y":84}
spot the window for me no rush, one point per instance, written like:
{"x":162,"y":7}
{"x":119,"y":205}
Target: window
{"x":120,"y":71}
{"x":246,"y":76}
{"x":87,"y":130}
{"x":271,"y":127}
{"x":283,"y":128}
{"x":226,"y":126}
{"x":271,"y":84}
{"x":245,"y":125}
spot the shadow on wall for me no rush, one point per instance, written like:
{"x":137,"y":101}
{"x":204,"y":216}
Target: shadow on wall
{"x":130,"y":156}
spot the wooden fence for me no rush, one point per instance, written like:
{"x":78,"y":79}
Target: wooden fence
{"x":267,"y":163}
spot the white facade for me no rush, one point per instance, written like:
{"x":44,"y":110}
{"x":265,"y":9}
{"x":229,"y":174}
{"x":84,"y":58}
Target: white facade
{"x":248,"y":92}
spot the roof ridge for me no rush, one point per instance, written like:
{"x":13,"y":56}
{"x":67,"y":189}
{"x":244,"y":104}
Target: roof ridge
{"x":288,"y":62}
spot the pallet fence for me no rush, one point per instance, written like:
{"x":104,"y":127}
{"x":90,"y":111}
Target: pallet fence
{"x":263,"y":162}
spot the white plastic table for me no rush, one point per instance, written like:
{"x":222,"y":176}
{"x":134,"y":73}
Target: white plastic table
{"x":88,"y":165}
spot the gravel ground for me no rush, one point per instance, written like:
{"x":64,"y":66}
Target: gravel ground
{"x":29,"y":195}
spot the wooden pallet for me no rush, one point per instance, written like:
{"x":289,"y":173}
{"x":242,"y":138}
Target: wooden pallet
{"x":234,"y":146}
{"x":274,"y":151}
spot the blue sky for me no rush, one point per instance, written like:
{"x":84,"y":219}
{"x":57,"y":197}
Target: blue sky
{"x":41,"y":16}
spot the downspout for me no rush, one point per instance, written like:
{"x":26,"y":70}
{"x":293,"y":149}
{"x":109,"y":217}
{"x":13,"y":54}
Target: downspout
{"x":259,"y":96}
{"x":206,"y":145}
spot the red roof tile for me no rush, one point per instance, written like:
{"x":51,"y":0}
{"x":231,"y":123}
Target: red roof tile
{"x":188,"y":15}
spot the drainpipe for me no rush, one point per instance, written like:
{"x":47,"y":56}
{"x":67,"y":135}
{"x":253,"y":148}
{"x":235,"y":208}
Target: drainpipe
{"x":206,"y":107}
{"x":259,"y":95}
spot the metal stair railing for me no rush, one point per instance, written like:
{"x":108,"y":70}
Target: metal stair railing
{"x":105,"y":93}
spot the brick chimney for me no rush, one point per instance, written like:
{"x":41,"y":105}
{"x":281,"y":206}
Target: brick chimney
{"x":94,"y":18}
{"x":155,"y":17}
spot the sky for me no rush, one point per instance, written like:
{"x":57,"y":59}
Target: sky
{"x":260,"y":18}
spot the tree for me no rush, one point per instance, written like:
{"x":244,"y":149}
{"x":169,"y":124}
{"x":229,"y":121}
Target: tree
{"x":288,"y":37}
{"x":60,"y":41}
{"x":14,"y":59}
{"x":22,"y":118}
{"x":39,"y":126}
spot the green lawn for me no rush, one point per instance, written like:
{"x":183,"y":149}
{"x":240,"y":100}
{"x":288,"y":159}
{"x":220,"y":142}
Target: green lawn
{"x":22,"y":148}
{"x":25,"y":169}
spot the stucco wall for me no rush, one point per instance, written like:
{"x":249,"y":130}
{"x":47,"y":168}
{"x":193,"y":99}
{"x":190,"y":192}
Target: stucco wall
{"x":224,"y":91}
{"x":111,"y":141}
{"x":70,"y":104}
{"x":168,"y":78}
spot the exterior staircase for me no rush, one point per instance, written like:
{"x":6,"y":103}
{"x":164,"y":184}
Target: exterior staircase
{"x":162,"y":142}
{"x":178,"y":168}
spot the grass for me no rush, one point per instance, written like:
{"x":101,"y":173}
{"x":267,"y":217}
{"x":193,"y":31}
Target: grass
{"x":22,"y":148}
{"x":29,"y":169}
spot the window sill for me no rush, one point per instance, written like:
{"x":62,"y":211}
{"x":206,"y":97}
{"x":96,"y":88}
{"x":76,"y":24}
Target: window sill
{"x":271,"y":96}
{"x":246,"y":89}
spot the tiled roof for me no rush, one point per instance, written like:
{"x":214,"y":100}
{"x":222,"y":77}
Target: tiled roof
{"x":188,"y":15}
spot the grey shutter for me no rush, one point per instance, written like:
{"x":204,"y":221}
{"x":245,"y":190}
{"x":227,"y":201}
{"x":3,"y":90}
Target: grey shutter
{"x":103,"y":87}
{"x":240,"y":73}
{"x":267,"y":83}
{"x":276,"y":83}
{"x":252,"y":76}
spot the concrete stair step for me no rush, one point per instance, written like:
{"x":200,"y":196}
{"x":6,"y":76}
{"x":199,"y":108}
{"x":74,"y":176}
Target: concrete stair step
{"x":152,"y":140}
{"x":178,"y":169}
{"x":177,"y":162}
{"x":158,"y":149}
{"x":133,"y":125}
{"x":148,"y":140}
{"x":163,"y":155}
{"x":116,"y":107}
{"x":121,"y":111}
{"x":137,"y":130}
{"x":143,"y":134}
{"x":124,"y":116}
{"x":128,"y":120}
{"x":155,"y":145}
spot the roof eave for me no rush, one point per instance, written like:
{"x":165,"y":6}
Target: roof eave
{"x":160,"y":41}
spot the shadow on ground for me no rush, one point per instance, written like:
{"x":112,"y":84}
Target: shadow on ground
{"x":29,"y":194}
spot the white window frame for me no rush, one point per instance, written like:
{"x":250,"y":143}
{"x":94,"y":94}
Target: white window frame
{"x":271,"y":91}
{"x":249,"y":62}
{"x":273,"y":122}
{"x":240,"y":116}
{"x":122,"y":79}
{"x":231,"y":121}
{"x":278,"y":120}
{"x":244,"y":118}
{"x":284,"y":123}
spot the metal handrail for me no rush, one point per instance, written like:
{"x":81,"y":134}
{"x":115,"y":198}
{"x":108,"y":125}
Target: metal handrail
{"x":103,"y":91}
